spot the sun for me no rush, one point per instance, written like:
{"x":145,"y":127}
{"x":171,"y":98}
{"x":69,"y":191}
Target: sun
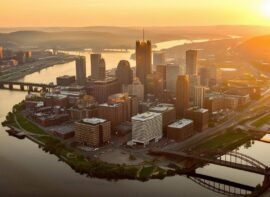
{"x":265,"y":8}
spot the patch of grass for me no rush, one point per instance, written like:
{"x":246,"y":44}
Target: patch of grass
{"x":48,"y":140}
{"x":221,"y":141}
{"x":260,"y":122}
{"x":27,"y":125}
{"x":146,"y":172}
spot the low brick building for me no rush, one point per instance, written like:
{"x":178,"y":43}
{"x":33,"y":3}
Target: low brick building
{"x":180,"y":130}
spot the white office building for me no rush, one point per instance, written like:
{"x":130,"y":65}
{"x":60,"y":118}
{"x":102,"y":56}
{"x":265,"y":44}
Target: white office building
{"x":146,"y":127}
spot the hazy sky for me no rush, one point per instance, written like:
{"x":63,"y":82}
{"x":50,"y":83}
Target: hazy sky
{"x":133,"y":12}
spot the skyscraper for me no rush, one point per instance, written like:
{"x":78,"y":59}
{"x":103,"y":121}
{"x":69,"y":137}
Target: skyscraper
{"x":172,"y":72}
{"x":81,"y":70}
{"x":135,"y":89}
{"x":199,"y":94}
{"x":124,"y":73}
{"x":156,"y":82}
{"x":204,"y":76}
{"x":182,"y":95}
{"x":191,"y":62}
{"x":101,"y":69}
{"x":158,"y":58}
{"x":194,"y":80}
{"x":143,"y":60}
{"x":98,"y":67}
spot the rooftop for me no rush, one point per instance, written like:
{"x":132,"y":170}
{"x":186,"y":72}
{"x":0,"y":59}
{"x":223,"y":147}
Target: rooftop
{"x":107,"y":80}
{"x":93,"y":121}
{"x":58,"y":96}
{"x":66,"y":77}
{"x":202,"y":110}
{"x":180,"y":123}
{"x":146,"y":116}
{"x":109,"y":105}
{"x":71,"y":93}
{"x":162,"y":108}
{"x":197,"y":109}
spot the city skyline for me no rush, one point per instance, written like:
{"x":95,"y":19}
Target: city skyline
{"x":181,"y":108}
{"x":135,"y":13}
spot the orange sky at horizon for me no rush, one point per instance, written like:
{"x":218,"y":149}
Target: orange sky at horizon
{"x":31,"y":13}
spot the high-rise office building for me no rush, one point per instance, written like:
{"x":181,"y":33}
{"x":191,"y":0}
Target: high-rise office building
{"x":199,"y":94}
{"x":81,"y":70}
{"x":204,"y":76}
{"x":191,"y":62}
{"x":182,"y":95}
{"x":124,"y":73}
{"x":168,"y":114}
{"x":102,"y":69}
{"x":143,"y":60}
{"x":118,"y":109}
{"x":102,"y":89}
{"x":172,"y":72}
{"x":135,"y":89}
{"x":156,"y":82}
{"x":158,"y":59}
{"x":98,"y":67}
{"x":194,"y":80}
{"x":162,"y":70}
{"x":1,"y":53}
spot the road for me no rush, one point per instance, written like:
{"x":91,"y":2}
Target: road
{"x":232,"y":121}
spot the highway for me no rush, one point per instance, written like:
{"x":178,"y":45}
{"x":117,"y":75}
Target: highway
{"x":232,"y":121}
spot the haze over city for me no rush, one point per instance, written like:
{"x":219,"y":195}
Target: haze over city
{"x":133,"y":13}
{"x":135,"y":98}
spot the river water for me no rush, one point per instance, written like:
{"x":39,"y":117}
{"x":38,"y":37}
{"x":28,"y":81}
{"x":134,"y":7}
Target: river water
{"x":25,"y":170}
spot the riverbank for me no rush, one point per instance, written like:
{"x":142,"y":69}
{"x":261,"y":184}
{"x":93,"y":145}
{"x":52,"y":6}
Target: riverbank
{"x":21,"y":71}
{"x":77,"y":161}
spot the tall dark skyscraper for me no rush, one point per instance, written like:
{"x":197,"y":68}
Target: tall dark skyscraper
{"x":124,"y":73}
{"x":191,"y":62}
{"x":98,"y":67}
{"x":143,"y":60}
{"x":81,"y":70}
{"x":182,"y":95}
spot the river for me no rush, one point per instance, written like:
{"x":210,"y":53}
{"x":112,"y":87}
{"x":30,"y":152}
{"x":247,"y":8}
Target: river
{"x":25,"y":170}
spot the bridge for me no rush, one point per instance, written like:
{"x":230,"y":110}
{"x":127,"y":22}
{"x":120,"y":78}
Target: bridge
{"x":221,"y":186}
{"x":234,"y":160}
{"x":24,"y":86}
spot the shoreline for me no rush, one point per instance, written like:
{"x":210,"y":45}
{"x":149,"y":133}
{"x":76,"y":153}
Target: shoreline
{"x":95,"y":167}
{"x":14,"y":76}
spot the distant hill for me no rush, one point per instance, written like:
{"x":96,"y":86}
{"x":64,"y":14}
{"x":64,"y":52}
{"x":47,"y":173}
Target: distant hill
{"x":257,"y":48}
{"x":99,"y":37}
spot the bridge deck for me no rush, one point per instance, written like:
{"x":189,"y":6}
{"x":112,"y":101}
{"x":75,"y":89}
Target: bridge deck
{"x":42,"y":85}
{"x":215,"y":161}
